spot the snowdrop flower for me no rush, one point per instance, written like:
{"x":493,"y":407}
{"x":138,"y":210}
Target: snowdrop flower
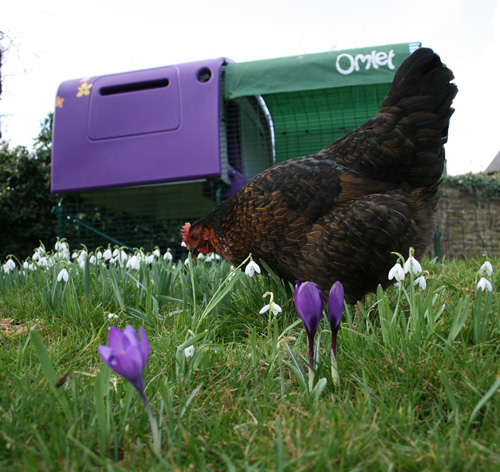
{"x":134,"y":263}
{"x":421,"y":282}
{"x":413,"y":266}
{"x":251,"y":268}
{"x":397,"y":273}
{"x":274,"y":307}
{"x":209,"y":258}
{"x":92,"y":259}
{"x":217,"y":257}
{"x":99,"y":255}
{"x":63,"y":275}
{"x":116,"y":253}
{"x":200,"y":256}
{"x":486,"y":267}
{"x":189,"y":352}
{"x":112,"y":316}
{"x":484,"y":284}
{"x":74,"y":255}
{"x":271,"y":306}
{"x":9,"y":266}
{"x":168,"y":256}
{"x":156,"y":253}
{"x":107,"y":255}
{"x":183,"y":244}
{"x":60,"y":246}
{"x":149,"y":259}
{"x":43,"y":262}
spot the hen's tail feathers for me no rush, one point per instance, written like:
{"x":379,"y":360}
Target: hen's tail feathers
{"x":420,"y":101}
{"x":404,"y":141}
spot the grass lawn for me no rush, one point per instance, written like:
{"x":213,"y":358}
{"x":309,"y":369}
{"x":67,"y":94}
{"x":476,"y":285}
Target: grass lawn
{"x":419,"y":371}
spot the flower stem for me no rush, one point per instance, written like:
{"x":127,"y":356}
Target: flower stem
{"x":152,"y":422}
{"x":335,"y":372}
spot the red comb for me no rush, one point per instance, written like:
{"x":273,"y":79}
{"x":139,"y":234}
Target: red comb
{"x":185,"y":231}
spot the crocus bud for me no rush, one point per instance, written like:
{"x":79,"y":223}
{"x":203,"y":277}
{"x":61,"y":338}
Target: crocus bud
{"x":335,"y":308}
{"x":309,"y":304}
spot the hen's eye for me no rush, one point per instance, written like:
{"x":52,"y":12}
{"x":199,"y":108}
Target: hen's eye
{"x":194,"y":237}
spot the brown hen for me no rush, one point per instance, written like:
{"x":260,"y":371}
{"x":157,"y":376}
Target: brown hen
{"x":341,"y":213}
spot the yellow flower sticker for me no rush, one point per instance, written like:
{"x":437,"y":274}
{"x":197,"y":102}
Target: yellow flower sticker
{"x":84,"y":89}
{"x":59,"y":102}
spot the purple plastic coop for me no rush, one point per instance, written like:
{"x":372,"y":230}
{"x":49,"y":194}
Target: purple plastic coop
{"x":144,"y":127}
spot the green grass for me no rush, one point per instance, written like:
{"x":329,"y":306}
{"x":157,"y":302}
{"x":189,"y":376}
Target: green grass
{"x":419,"y":383}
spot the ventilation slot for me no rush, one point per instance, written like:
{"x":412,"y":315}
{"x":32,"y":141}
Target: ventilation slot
{"x":133,"y":87}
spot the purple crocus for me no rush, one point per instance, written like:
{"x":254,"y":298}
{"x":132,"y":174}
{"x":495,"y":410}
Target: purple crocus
{"x":309,"y":303}
{"x":335,"y":308}
{"x":126,"y":355}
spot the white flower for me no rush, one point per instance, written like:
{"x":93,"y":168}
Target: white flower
{"x":183,"y":244}
{"x":92,"y":259}
{"x":116,"y":253}
{"x":421,"y":282}
{"x":251,"y":268}
{"x":60,"y":246}
{"x":189,"y":352}
{"x":209,"y":258}
{"x":63,"y":275}
{"x":8,"y":266}
{"x":156,"y":253}
{"x":168,"y":256}
{"x":484,"y":284}
{"x":200,"y":256}
{"x":134,"y":263}
{"x":486,"y":267}
{"x":112,"y":316}
{"x":397,"y":273}
{"x":99,"y":255}
{"x":107,"y":255}
{"x":274,"y":307}
{"x":413,"y":266}
{"x":42,"y":262}
{"x":149,"y":259}
{"x":217,"y":257}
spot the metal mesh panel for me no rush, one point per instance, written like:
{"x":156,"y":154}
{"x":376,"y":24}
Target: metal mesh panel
{"x":305,"y":122}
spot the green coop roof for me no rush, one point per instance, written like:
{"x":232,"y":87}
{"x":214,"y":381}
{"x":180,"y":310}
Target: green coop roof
{"x":349,"y":67}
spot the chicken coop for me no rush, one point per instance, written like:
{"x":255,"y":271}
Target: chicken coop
{"x":137,"y":154}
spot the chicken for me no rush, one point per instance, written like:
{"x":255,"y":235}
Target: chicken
{"x":341,"y":214}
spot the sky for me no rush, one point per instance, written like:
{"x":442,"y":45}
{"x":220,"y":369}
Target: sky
{"x":50,"y":41}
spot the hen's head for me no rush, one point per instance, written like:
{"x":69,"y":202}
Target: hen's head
{"x":199,"y":237}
